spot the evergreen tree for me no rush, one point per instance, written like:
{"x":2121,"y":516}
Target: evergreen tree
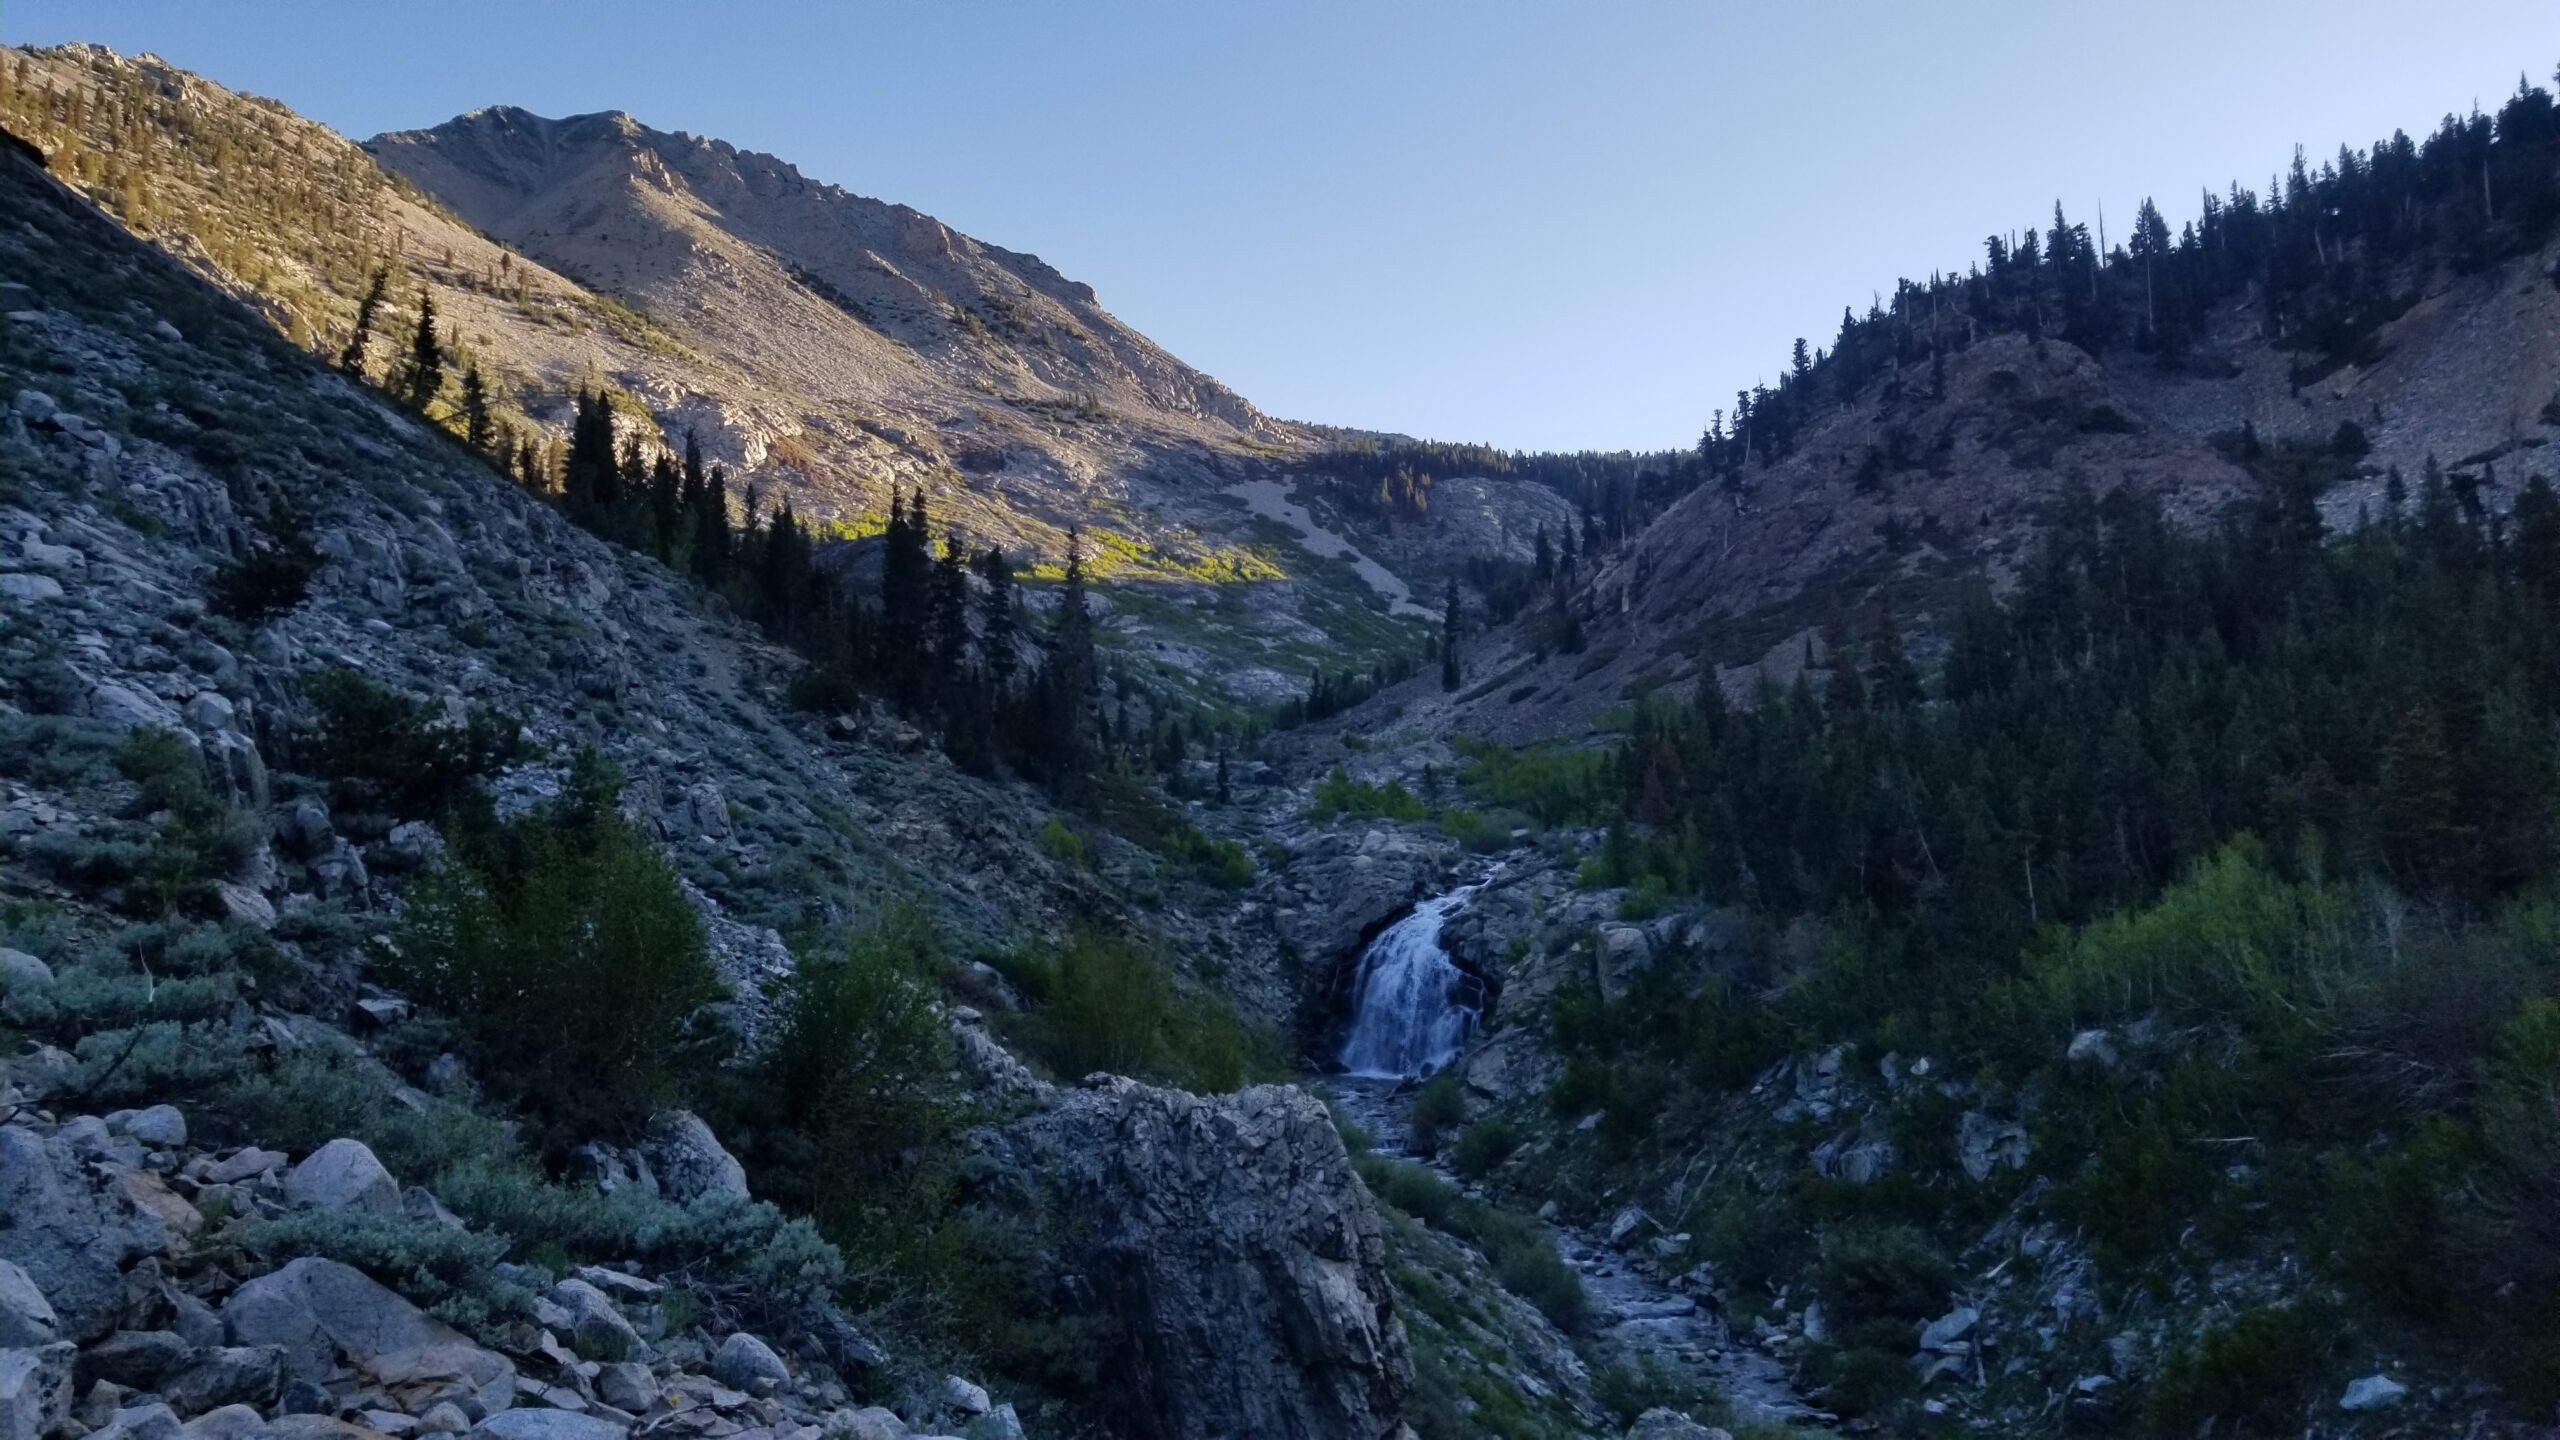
{"x":995,"y":620}
{"x":950,"y":617}
{"x":906,"y":598}
{"x":424,"y":379}
{"x":712,"y":542}
{"x":478,"y":431}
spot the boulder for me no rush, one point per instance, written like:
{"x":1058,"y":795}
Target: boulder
{"x":326,"y":1315}
{"x":135,"y":1359}
{"x":306,"y":1425}
{"x":230,"y":1422}
{"x":689,"y":1160}
{"x":69,"y":1231}
{"x":35,"y":1389}
{"x":20,"y":970}
{"x":966,"y":1396}
{"x":2373,"y":1392}
{"x":1661,"y":1424}
{"x":1229,"y":1241}
{"x":225,"y":1376}
{"x":871,"y":1422}
{"x":597,"y":1329}
{"x":1624,"y":952}
{"x":742,"y":1360}
{"x":140,"y":1422}
{"x":547,"y":1425}
{"x":1984,"y":1144}
{"x":246,"y":1163}
{"x":343,"y":1175}
{"x":2092,"y":1047}
{"x":1001,"y":1423}
{"x":160,"y":1127}
{"x":1630,"y":1226}
{"x":26,"y":1317}
{"x":626,"y":1385}
{"x":1949,"y":1328}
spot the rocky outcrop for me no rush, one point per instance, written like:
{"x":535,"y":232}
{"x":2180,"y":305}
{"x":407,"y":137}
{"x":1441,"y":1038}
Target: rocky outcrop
{"x":326,"y":1317}
{"x":1234,"y":1248}
{"x":70,"y":1228}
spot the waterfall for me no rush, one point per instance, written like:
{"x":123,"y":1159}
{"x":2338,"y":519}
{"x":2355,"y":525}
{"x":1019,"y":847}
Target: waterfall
{"x":1411,"y":1007}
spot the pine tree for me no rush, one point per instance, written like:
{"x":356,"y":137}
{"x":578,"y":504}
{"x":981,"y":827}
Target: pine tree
{"x":477,"y":430}
{"x":950,"y":618}
{"x":352,"y":359}
{"x":995,"y":620}
{"x":906,"y":598}
{"x":424,"y":379}
{"x":712,"y":542}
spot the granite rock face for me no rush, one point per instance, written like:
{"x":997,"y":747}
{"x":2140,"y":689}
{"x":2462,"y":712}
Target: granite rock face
{"x":1230,"y":1239}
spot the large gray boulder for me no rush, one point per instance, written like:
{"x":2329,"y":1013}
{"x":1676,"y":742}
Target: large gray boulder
{"x":1661,"y":1424}
{"x":70,"y":1231}
{"x":328,"y":1316}
{"x":597,"y":1327}
{"x":742,"y":1360}
{"x":1232,"y":1244}
{"x":225,"y":1376}
{"x":35,"y":1389}
{"x":689,"y":1160}
{"x":547,"y":1425}
{"x":343,"y":1175}
{"x":26,"y":1317}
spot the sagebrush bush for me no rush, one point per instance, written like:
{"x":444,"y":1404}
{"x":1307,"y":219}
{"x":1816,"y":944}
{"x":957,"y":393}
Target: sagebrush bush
{"x":450,"y":1272}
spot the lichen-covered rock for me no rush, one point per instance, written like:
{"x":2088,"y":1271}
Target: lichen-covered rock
{"x":326,"y":1315}
{"x":689,"y":1160}
{"x":69,"y":1232}
{"x":35,"y":1390}
{"x":1234,"y":1247}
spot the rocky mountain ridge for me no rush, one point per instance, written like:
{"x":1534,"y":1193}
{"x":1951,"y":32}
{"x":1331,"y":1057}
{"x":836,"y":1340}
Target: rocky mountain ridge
{"x":821,"y":346}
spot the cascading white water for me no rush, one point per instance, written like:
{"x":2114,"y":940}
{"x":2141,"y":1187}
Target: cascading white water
{"x":1411,"y":1008}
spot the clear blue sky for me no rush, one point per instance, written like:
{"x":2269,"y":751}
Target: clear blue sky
{"x":1552,"y":225}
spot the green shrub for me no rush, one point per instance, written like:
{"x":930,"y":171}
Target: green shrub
{"x":1223,"y":863}
{"x":1337,"y":794}
{"x":273,"y":577}
{"x":1483,"y":1146}
{"x":562,"y":942}
{"x":386,"y":753}
{"x":450,"y":1272}
{"x":859,"y":1067}
{"x":2252,"y":1375}
{"x":1626,"y":1389}
{"x":1552,"y":784}
{"x":154,"y":1061}
{"x":1860,"y":1380}
{"x":1061,"y":842}
{"x":1106,"y":1003}
{"x":1522,"y":1259}
{"x":1439,"y":1107}
{"x":1890,"y":1273}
